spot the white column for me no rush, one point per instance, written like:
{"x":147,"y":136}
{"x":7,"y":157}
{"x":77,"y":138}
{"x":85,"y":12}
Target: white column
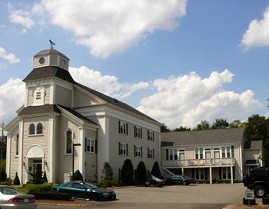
{"x":51,"y":150}
{"x":81,"y":154}
{"x":8,"y":155}
{"x":20,"y":156}
{"x":210,"y":175}
{"x":232,"y":175}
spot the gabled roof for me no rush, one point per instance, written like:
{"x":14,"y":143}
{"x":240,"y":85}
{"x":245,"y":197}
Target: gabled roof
{"x":203,"y":137}
{"x":49,"y":72}
{"x":115,"y":102}
{"x":253,"y":145}
{"x":39,"y":109}
{"x":76,"y":114}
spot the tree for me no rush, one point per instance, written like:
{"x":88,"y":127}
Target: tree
{"x":181,"y":128}
{"x":3,"y":175}
{"x":16,"y":180}
{"x":155,"y":171}
{"x":164,"y":128}
{"x":127,"y":172}
{"x":108,"y":172}
{"x":204,"y":125}
{"x":237,"y":124}
{"x":141,"y":173}
{"x":220,"y":123}
{"x":257,"y":128}
{"x":77,"y":176}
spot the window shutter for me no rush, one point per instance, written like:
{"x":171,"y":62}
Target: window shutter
{"x":148,"y":152}
{"x":119,"y":126}
{"x":141,"y":152}
{"x":126,"y":128}
{"x":153,"y":136}
{"x":147,"y":134}
{"x":96,"y":145}
{"x":85,"y":145}
{"x":119,"y":148}
{"x":126,"y":149}
{"x":167,"y":154}
{"x":153,"y":154}
{"x":134,"y":131}
{"x":134,"y":150}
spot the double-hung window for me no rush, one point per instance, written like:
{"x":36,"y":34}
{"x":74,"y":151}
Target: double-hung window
{"x":123,"y":127}
{"x":138,"y":151}
{"x":150,"y":153}
{"x":90,"y":145}
{"x":137,"y":132}
{"x":69,"y":142}
{"x":150,"y":135}
{"x":123,"y":149}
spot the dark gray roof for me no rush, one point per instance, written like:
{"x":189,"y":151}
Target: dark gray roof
{"x":50,"y":51}
{"x":115,"y":102}
{"x":49,"y":72}
{"x":47,"y":108}
{"x":203,"y":137}
{"x":73,"y":112}
{"x":39,"y":109}
{"x":253,"y":144}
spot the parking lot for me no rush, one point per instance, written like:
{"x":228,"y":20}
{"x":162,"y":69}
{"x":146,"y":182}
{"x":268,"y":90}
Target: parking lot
{"x":196,"y":196}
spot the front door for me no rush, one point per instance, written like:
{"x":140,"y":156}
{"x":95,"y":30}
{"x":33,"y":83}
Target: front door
{"x":35,"y":169}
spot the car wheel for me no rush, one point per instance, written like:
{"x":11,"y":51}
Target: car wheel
{"x":260,"y":191}
{"x":95,"y":197}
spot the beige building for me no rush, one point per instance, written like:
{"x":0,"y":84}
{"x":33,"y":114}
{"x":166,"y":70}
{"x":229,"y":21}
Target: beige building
{"x":65,"y":126}
{"x":210,"y":155}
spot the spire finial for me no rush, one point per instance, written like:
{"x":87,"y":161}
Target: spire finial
{"x":51,"y":44}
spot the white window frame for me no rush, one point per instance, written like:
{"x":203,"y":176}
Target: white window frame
{"x":137,"y":132}
{"x":150,"y":135}
{"x":138,"y":151}
{"x":123,"y":127}
{"x":123,"y":149}
{"x":90,"y":145}
{"x":150,"y":153}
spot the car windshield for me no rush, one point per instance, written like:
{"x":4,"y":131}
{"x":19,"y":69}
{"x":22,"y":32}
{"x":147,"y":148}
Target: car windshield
{"x":90,"y":186}
{"x":8,"y":191}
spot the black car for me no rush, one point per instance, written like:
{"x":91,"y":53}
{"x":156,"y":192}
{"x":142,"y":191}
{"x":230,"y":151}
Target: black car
{"x":179,"y":179}
{"x":258,"y":180}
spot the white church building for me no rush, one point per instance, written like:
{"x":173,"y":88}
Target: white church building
{"x":64,"y":126}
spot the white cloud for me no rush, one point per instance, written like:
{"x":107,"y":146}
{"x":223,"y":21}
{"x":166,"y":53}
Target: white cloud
{"x":10,"y":57}
{"x":11,"y":98}
{"x":105,"y":83}
{"x":22,"y":18}
{"x":188,"y":99}
{"x":106,"y":27}
{"x":257,"y":33}
{"x":184,"y":100}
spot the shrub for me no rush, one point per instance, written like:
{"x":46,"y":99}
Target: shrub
{"x":33,"y":188}
{"x":141,"y":173}
{"x":3,"y":175}
{"x":77,"y":176}
{"x":108,"y":172}
{"x":51,"y":195}
{"x":127,"y":172}
{"x":16,"y":180}
{"x":155,"y":171}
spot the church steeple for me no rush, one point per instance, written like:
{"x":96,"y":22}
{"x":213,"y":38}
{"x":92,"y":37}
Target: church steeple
{"x":51,"y":57}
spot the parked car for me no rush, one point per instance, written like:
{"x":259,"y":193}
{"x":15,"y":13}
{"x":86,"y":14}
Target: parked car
{"x":11,"y":198}
{"x":179,"y":179}
{"x":258,"y":180}
{"x":154,"y":181}
{"x":85,"y":190}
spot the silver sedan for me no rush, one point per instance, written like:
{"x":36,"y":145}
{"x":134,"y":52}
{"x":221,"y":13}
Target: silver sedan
{"x":11,"y":198}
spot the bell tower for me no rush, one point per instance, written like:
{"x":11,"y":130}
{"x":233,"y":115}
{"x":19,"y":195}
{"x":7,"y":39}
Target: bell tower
{"x":51,"y":57}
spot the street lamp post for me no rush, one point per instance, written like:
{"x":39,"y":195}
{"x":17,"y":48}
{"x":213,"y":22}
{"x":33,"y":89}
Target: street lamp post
{"x":73,"y":159}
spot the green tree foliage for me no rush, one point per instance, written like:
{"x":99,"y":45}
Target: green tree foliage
{"x":181,"y":128}
{"x":237,"y":124}
{"x":77,"y":176}
{"x":220,"y":123}
{"x":108,"y":172}
{"x":141,"y":173}
{"x":164,"y":128}
{"x":204,"y":125}
{"x":16,"y":180}
{"x":45,"y":179}
{"x":127,"y":172}
{"x":257,"y":128}
{"x":155,"y":171}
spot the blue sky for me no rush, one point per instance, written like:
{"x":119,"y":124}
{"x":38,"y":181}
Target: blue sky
{"x":178,"y":61}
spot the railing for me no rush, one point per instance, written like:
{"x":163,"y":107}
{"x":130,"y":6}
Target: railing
{"x":218,"y":162}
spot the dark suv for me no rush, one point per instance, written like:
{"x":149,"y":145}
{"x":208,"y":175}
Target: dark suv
{"x":258,"y":180}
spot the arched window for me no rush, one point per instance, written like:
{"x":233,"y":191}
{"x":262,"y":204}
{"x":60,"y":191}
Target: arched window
{"x":39,"y":128}
{"x":32,"y":129}
{"x":68,"y":142}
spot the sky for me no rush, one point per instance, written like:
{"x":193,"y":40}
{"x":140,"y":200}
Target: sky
{"x":179,"y":61}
